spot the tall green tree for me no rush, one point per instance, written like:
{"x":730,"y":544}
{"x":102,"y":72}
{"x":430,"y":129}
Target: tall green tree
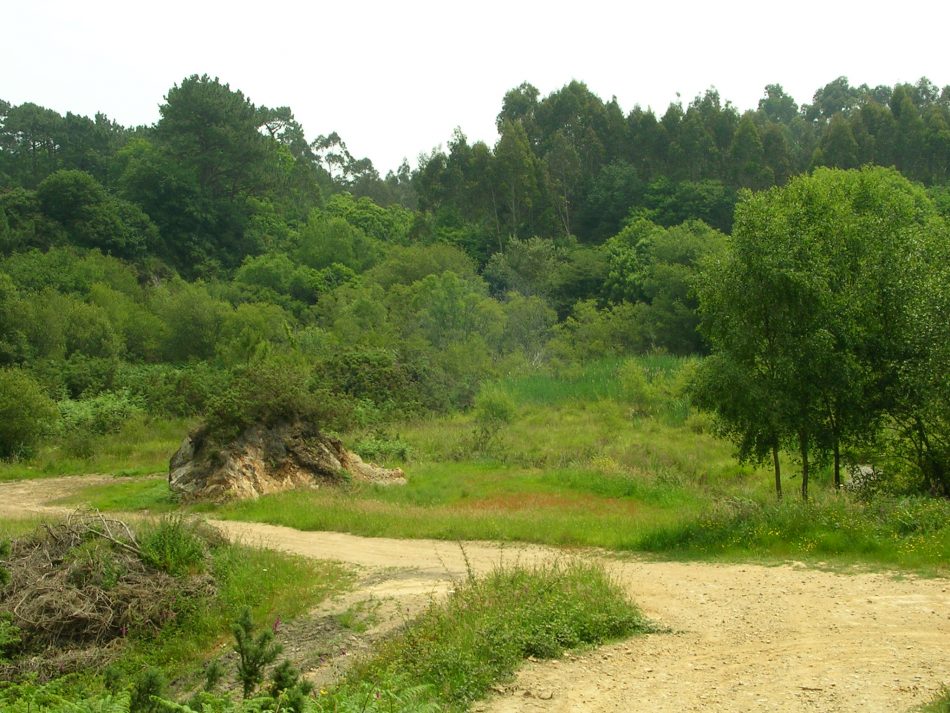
{"x":747,"y":156}
{"x":26,"y":413}
{"x":93,"y":218}
{"x":30,"y":143}
{"x":515,"y":170}
{"x":198,"y":173}
{"x":655,"y":267}
{"x":814,"y":309}
{"x":839,"y":149}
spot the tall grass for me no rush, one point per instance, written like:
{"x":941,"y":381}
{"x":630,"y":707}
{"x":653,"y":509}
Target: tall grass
{"x":477,"y":637}
{"x":610,"y":454}
{"x":273,"y":585}
{"x":11,"y":527}
{"x":141,"y":446}
{"x":908,"y":532}
{"x":591,"y":382}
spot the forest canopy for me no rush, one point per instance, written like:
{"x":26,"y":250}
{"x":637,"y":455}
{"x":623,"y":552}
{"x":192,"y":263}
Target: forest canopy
{"x":143,"y":270}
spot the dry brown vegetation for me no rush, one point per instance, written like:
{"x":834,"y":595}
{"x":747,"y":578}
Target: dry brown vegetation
{"x":78,"y":586}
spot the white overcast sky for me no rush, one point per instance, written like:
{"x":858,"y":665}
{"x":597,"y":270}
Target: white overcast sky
{"x":395,"y":78}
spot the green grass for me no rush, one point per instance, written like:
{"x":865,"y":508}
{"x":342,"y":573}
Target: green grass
{"x":11,"y":527}
{"x":608,"y":455}
{"x":903,"y":532}
{"x":271,"y":584}
{"x":591,"y":382}
{"x":460,"y":647}
{"x":580,"y":507}
{"x":143,"y":493}
{"x":450,"y":655}
{"x":940,"y":704}
{"x":572,"y":507}
{"x":141,"y":447}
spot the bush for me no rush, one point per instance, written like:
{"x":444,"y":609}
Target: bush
{"x":254,"y":652}
{"x":494,"y":409}
{"x":147,"y":687}
{"x":102,"y":414}
{"x":382,"y":446}
{"x":26,"y":413}
{"x":270,"y":390}
{"x":635,"y":387}
{"x":371,"y":373}
{"x":84,"y":376}
{"x":9,"y":636}
{"x":166,"y":390}
{"x":172,"y":546}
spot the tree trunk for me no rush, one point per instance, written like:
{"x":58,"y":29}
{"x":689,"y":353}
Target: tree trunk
{"x":778,"y":472}
{"x":837,"y":452}
{"x":803,"y":447}
{"x":494,"y":205}
{"x":567,"y":215}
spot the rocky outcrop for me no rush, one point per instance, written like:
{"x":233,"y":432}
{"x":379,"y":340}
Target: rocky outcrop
{"x":267,"y":460}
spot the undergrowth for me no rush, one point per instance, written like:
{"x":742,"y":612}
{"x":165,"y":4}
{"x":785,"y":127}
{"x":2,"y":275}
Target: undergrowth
{"x":607,"y":454}
{"x":456,"y":650}
{"x":177,"y":638}
{"x":908,"y":532}
{"x":444,"y":660}
{"x":140,"y":446}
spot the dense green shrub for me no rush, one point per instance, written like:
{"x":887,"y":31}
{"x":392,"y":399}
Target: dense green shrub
{"x":376,"y":374}
{"x":70,"y":270}
{"x":146,"y":689}
{"x":26,"y":413}
{"x":494,"y":409}
{"x":382,"y":446}
{"x":105,"y":413}
{"x":82,"y":376}
{"x":9,"y":635}
{"x":269,"y":390}
{"x":167,"y":390}
{"x":173,"y":546}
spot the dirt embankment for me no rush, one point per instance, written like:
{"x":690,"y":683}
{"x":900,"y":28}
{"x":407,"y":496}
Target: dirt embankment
{"x":740,"y":638}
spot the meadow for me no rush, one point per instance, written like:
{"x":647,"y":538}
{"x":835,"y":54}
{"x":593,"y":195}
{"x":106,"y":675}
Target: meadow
{"x":609,"y":455}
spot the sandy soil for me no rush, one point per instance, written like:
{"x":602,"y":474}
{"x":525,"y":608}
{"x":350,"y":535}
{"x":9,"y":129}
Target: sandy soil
{"x":31,"y":498}
{"x":740,"y":637}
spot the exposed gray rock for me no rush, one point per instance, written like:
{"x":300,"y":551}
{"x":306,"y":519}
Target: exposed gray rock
{"x":267,"y":460}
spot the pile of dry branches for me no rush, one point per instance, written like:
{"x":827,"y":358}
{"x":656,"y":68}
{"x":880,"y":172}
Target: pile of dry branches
{"x":85,"y":582}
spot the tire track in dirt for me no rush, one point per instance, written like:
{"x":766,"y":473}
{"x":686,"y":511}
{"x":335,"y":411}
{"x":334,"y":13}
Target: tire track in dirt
{"x":740,"y":638}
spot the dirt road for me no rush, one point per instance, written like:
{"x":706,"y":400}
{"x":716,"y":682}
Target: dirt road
{"x":741,"y":637}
